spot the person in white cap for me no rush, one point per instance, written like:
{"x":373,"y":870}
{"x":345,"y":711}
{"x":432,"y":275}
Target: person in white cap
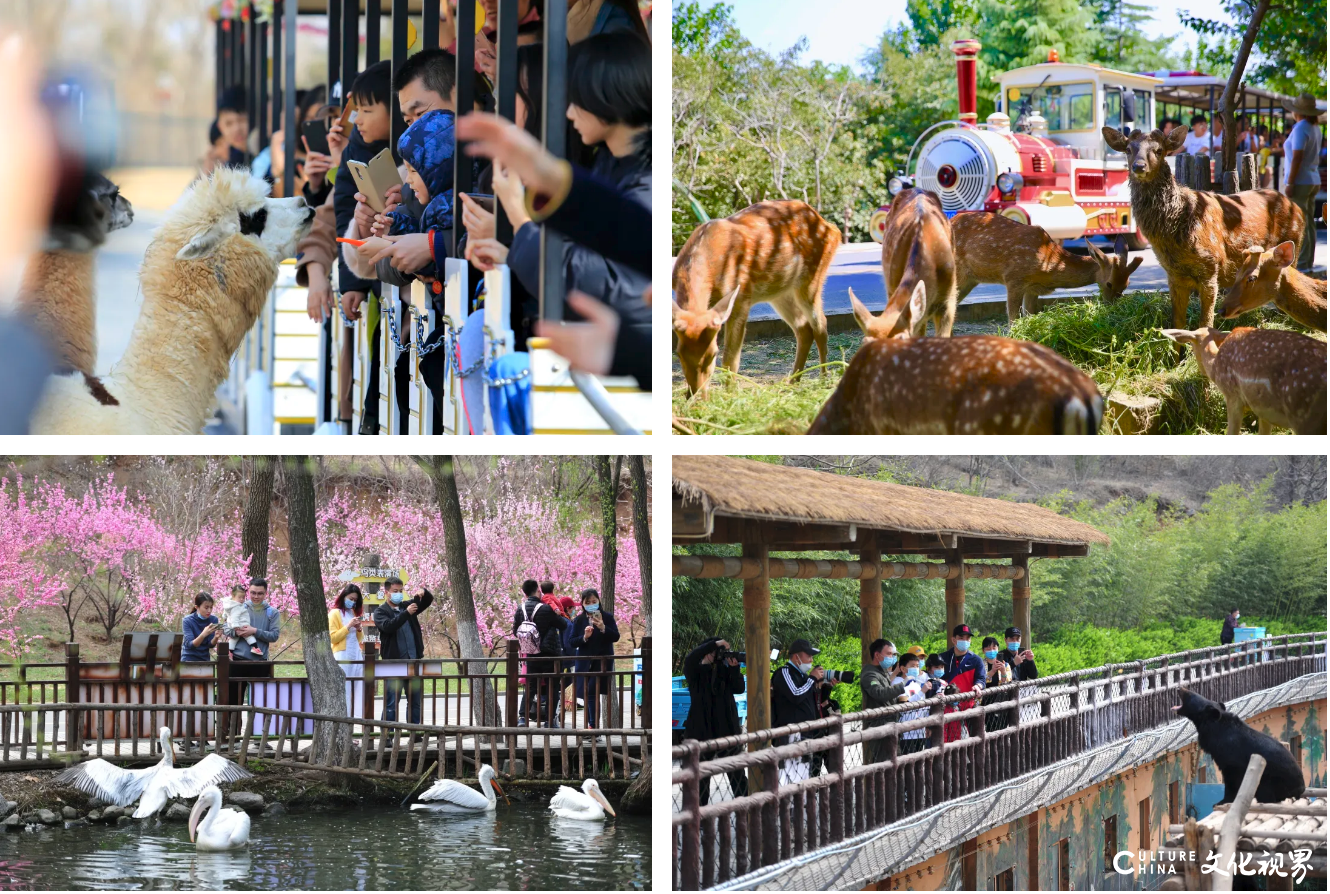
{"x":1303,"y":150}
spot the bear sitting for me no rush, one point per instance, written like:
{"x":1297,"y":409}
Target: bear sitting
{"x":1230,"y":743}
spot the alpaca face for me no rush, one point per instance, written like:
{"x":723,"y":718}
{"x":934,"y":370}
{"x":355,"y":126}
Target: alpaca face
{"x":232,"y":203}
{"x":98,"y":209}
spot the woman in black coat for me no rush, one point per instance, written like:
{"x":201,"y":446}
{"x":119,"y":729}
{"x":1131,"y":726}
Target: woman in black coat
{"x":712,"y":712}
{"x":593,"y":638}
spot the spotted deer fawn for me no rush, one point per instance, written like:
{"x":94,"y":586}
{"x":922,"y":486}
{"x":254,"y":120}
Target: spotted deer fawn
{"x":970,"y":384}
{"x":1199,"y":237}
{"x":778,"y":252}
{"x":917,"y":258}
{"x":1270,"y":276}
{"x":1277,"y":374}
{"x":991,"y":248}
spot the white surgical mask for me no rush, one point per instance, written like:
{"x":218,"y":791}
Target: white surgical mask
{"x":805,"y":668}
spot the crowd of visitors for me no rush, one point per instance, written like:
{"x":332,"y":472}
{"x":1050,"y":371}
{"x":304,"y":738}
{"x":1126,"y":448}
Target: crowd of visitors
{"x":599,"y":198}
{"x":801,"y":692}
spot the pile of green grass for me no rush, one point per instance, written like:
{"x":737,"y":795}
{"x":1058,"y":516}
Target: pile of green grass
{"x":737,"y":405}
{"x":1120,"y":346}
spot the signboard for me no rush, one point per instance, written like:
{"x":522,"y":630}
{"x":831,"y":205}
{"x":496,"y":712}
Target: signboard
{"x":370,"y":580}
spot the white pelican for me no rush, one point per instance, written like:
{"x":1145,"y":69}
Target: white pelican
{"x":588,"y":804}
{"x":153,"y":786}
{"x":459,"y":798}
{"x":222,"y":829}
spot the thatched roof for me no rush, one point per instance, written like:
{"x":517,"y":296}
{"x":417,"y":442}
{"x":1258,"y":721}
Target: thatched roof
{"x":746,"y":488}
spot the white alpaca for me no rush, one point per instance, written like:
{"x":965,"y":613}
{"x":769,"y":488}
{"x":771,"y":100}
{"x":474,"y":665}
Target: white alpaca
{"x":205,"y":279}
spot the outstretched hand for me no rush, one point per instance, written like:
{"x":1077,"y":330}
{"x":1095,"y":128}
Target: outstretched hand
{"x":493,"y":137}
{"x":588,"y":346}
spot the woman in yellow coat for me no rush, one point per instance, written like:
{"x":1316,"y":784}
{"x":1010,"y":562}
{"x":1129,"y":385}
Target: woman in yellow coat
{"x":346,"y":620}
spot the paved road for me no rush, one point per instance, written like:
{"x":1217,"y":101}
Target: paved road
{"x":118,"y":297}
{"x":859,"y":266}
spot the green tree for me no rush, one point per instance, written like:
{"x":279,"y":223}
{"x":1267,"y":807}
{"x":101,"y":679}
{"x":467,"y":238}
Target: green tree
{"x":1289,"y":55}
{"x":931,"y":19}
{"x":1121,"y":43}
{"x":1021,"y":32}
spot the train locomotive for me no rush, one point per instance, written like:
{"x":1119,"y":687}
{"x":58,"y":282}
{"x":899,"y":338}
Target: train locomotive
{"x":1050,"y":166}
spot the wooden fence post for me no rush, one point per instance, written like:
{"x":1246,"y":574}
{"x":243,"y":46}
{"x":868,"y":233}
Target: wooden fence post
{"x":689,"y":871}
{"x":73,"y":733}
{"x":222,"y":729}
{"x":370,"y":687}
{"x":646,"y":683}
{"x":512,"y":662}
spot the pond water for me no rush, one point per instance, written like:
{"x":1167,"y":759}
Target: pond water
{"x":521,"y":846}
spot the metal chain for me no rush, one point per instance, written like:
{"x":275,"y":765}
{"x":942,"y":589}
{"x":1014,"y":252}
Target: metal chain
{"x":523,"y":374}
{"x":347,"y":322}
{"x":392,"y":330}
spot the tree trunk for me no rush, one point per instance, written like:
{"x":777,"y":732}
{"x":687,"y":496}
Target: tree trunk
{"x":327,"y":682}
{"x":642,"y":534}
{"x":441,"y":472}
{"x":608,"y":474}
{"x":258,"y":510}
{"x":1234,"y":79}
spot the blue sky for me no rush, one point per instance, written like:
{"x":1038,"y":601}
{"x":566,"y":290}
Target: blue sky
{"x":841,"y":31}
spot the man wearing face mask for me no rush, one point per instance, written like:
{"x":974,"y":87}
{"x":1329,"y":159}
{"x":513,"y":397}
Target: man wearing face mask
{"x":879,"y":691}
{"x":794,"y":699}
{"x":963,"y":670}
{"x":1230,"y":621}
{"x":400,"y":639}
{"x":1020,"y":661}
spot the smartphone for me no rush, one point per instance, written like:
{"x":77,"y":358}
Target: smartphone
{"x":376,"y":178}
{"x":316,"y":135}
{"x":483,"y":200}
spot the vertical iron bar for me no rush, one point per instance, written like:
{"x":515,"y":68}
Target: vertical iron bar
{"x":505,"y":88}
{"x":399,"y":36}
{"x":278,"y":13}
{"x":335,"y":47}
{"x":219,"y":47}
{"x":373,"y":21}
{"x":554,"y":106}
{"x":289,"y":105}
{"x":350,"y":43}
{"x":466,"y":96}
{"x":251,"y":71}
{"x":429,"y":30}
{"x":261,"y":82}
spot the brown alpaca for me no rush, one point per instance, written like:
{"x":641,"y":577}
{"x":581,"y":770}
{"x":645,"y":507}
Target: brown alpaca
{"x":991,"y":248}
{"x":1200,"y":238}
{"x":59,"y":294}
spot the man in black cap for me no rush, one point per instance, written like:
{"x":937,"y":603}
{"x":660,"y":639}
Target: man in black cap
{"x":794,"y":694}
{"x":964,"y":670}
{"x":1021,"y":661}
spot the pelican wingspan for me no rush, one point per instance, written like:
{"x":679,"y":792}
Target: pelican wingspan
{"x":187,"y":782}
{"x":450,"y":791}
{"x":105,"y":780}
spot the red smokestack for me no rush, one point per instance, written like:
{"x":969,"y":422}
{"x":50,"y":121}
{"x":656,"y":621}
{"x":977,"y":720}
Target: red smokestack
{"x":966,"y":50}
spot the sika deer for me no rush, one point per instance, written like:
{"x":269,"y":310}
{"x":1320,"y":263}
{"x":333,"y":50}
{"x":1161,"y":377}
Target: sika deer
{"x":991,"y":248}
{"x":1270,"y":276}
{"x":777,"y":252}
{"x":1198,"y":237}
{"x":1279,"y":375}
{"x":916,"y":257}
{"x":967,"y":385}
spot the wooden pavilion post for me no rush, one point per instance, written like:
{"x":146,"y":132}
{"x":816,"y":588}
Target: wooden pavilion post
{"x":870,"y":599}
{"x":955,"y":594}
{"x":757,"y":643}
{"x":1020,"y":600}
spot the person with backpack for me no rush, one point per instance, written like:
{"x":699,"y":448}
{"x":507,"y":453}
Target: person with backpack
{"x":539,"y":630}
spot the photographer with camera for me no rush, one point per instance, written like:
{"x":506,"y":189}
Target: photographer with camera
{"x":963,"y":670}
{"x":879,"y":690}
{"x":714,"y":679}
{"x":794,"y":700}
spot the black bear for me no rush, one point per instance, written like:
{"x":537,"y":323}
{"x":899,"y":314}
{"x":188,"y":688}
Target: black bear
{"x":1230,"y":743}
